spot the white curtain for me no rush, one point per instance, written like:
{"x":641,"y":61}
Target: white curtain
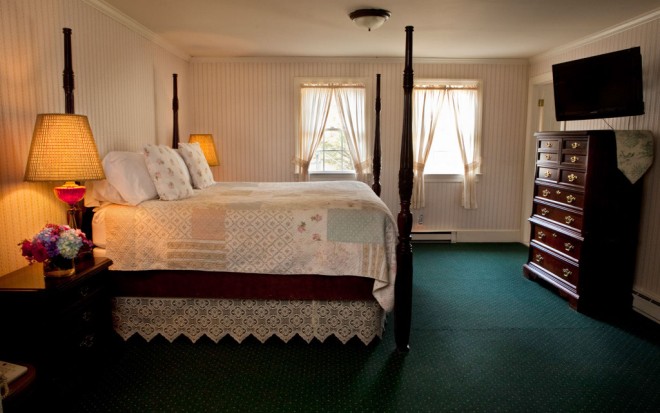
{"x":464,"y":103}
{"x":427,"y":104}
{"x":315,"y":106}
{"x":351,"y":108}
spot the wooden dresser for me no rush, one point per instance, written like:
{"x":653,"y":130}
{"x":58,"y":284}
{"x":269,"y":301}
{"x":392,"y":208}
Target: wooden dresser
{"x":584,"y":222}
{"x":56,"y":323}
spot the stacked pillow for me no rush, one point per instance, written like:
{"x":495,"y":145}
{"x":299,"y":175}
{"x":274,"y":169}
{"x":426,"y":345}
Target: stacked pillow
{"x":158,"y":172}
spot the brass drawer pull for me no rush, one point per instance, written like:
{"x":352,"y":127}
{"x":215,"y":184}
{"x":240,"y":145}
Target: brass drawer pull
{"x":569,"y":219}
{"x":569,"y":247}
{"x":570,"y":199}
{"x":547,"y":174}
{"x":538,"y":258}
{"x":558,"y":192}
{"x":545,"y":211}
{"x":541,"y":235}
{"x":567,"y":273}
{"x":575,"y":145}
{"x":88,"y":341}
{"x":546,"y":192}
{"x":574,"y":158}
{"x":554,"y":235}
{"x":547,"y":157}
{"x":84,"y":291}
{"x":548,"y":144}
{"x":572,"y":177}
{"x":87,"y":316}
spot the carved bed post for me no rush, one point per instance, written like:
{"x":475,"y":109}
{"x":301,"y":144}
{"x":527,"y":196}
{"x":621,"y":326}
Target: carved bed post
{"x":377,"y":155}
{"x":175,"y":110}
{"x":404,"y":255}
{"x":68,"y":73}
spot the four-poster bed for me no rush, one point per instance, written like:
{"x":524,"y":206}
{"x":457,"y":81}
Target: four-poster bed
{"x":344,"y":289}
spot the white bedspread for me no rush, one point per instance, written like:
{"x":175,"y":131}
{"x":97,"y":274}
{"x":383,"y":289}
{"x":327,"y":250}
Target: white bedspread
{"x":327,"y":228}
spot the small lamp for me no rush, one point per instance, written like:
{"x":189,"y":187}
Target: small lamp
{"x":370,"y":18}
{"x":207,"y":144}
{"x":63,"y":149}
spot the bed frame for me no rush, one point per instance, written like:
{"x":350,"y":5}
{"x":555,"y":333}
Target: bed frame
{"x":127,"y":284}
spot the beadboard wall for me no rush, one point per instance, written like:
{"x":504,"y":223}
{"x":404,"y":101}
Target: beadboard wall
{"x":645,"y":33}
{"x":122,"y":83}
{"x":248,"y":105}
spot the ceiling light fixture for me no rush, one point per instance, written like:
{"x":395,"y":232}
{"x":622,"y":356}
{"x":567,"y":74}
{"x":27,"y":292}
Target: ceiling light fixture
{"x":369,"y":18}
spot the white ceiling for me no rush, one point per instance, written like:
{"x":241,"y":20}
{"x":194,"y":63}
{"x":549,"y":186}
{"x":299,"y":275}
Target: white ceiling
{"x":443,"y":28}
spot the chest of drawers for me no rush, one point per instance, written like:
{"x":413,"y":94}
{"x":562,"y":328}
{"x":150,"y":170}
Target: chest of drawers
{"x":56,"y":323}
{"x":584,"y":222}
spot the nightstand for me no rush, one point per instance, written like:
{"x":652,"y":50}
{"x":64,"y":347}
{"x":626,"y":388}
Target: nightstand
{"x":56,"y":323}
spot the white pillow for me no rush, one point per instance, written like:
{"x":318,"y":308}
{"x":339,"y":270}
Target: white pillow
{"x":199,"y":169}
{"x":168,"y":172}
{"x":127,"y":173}
{"x":103,"y":192}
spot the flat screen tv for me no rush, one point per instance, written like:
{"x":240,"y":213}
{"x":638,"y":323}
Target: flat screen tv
{"x":604,"y":86}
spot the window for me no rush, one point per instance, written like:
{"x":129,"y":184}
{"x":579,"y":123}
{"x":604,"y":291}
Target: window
{"x":331,"y":129}
{"x":332,"y":153}
{"x":446,"y":134}
{"x":444,"y":157}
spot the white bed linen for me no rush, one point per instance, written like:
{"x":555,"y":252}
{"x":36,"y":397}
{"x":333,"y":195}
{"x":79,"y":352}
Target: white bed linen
{"x":327,"y":228}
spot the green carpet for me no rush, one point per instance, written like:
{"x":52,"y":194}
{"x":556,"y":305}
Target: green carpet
{"x":484,"y":339}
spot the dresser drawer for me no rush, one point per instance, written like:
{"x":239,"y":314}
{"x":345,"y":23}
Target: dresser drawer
{"x":574,"y":159}
{"x":561,"y":195}
{"x":572,"y":177}
{"x":577,"y":146}
{"x":547,"y":174}
{"x":548,"y":145}
{"x":547,"y":158}
{"x":557,"y":240}
{"x":558,"y":267}
{"x":571,"y":219}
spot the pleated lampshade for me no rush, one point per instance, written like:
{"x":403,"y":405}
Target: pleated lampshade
{"x":208,"y":147}
{"x":63,"y":149}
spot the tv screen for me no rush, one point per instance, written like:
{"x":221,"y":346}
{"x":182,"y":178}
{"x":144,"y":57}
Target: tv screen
{"x":604,"y":86}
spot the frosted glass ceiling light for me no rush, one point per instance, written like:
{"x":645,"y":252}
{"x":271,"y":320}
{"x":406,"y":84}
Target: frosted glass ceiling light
{"x":369,"y":18}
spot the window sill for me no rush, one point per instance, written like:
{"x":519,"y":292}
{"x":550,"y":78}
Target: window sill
{"x":428,"y":178}
{"x":332,"y":176}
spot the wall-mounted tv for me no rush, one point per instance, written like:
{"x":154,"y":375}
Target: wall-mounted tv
{"x":604,"y":86}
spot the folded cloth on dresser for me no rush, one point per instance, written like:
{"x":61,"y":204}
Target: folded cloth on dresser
{"x":326,"y":228}
{"x":634,"y":152}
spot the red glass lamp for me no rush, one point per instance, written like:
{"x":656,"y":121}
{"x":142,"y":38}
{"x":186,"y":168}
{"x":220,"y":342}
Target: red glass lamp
{"x":63,"y":149}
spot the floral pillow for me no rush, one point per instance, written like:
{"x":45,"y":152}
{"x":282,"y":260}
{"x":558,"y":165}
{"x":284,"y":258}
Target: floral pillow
{"x":200,"y":172}
{"x":168,"y":172}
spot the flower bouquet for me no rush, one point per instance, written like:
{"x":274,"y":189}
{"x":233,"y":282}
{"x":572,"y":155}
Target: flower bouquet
{"x":56,"y":246}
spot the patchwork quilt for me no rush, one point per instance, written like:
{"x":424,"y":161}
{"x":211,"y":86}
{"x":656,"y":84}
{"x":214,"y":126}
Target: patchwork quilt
{"x":326,"y":228}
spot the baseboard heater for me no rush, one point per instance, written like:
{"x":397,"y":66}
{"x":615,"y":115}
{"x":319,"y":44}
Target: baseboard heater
{"x":646,"y":306}
{"x":434,"y":236}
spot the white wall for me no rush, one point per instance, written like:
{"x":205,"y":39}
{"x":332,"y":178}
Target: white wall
{"x":122,"y":83}
{"x":646,"y":34}
{"x":248,"y":105}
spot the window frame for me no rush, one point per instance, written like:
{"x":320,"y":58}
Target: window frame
{"x":438,"y":82}
{"x":342,"y":80}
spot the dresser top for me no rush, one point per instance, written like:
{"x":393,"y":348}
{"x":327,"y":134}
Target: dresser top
{"x":31,"y":277}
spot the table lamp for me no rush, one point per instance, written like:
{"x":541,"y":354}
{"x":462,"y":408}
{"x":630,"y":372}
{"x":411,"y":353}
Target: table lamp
{"x":208,"y":147}
{"x":63,"y":149}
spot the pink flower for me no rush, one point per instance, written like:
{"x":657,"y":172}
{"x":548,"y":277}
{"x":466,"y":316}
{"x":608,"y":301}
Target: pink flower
{"x":302,"y":227}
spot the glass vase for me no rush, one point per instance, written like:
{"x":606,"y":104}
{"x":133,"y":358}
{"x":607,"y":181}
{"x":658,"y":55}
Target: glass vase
{"x":59,"y":267}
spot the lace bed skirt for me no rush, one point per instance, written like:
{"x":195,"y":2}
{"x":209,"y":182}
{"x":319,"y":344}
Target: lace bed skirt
{"x":216,"y":318}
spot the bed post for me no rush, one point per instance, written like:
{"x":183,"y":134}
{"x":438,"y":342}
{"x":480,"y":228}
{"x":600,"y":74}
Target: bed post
{"x":404,"y":255}
{"x":175,"y":111}
{"x":68,"y":73}
{"x":377,"y":155}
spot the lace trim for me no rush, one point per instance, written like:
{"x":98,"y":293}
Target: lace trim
{"x":216,"y":318}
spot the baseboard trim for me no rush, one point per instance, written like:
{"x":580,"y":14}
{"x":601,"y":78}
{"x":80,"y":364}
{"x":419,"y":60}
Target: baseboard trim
{"x":646,"y":306}
{"x":420,"y":235}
